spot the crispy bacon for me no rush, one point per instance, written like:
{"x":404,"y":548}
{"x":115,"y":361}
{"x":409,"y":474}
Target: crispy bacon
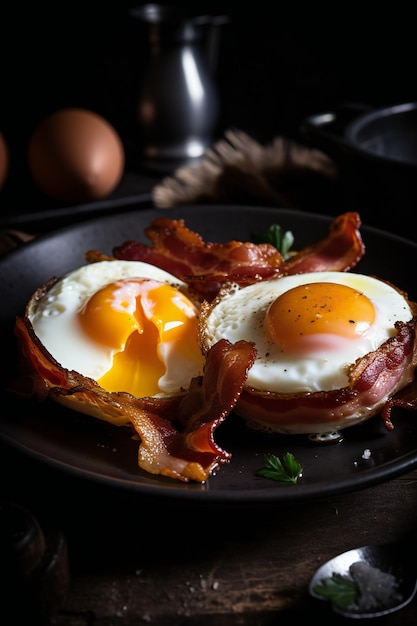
{"x":176,"y":433}
{"x":405,"y":399}
{"x":188,"y":450}
{"x":206,"y":266}
{"x":340,"y":251}
{"x":374,"y":381}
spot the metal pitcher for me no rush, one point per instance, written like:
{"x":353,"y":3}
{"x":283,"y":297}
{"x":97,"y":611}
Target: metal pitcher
{"x":178,"y":102}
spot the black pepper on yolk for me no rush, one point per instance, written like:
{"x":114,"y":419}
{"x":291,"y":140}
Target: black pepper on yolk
{"x":318,"y":308}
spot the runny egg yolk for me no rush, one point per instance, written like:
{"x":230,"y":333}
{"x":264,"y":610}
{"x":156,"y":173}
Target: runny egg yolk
{"x":307,"y":314}
{"x":143,"y":322}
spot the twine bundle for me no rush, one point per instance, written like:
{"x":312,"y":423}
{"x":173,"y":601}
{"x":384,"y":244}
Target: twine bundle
{"x":237,"y":169}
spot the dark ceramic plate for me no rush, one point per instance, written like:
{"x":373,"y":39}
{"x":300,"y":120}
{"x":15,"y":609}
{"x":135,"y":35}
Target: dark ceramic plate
{"x":96,"y":451}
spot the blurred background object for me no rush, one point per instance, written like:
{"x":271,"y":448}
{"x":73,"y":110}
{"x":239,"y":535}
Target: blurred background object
{"x":4,"y":160}
{"x":75,"y":155}
{"x":277,"y":64}
{"x":177,"y":107}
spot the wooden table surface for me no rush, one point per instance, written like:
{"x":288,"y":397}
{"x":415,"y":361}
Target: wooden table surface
{"x":133,"y":560}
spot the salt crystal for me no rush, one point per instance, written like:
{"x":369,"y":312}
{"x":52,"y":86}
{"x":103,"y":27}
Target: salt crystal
{"x":378,"y":589}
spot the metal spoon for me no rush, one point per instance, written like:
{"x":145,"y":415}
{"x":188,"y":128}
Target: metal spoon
{"x":393,"y":558}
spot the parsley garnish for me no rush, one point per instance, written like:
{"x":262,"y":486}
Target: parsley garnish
{"x":287,"y":470}
{"x":277,"y":237}
{"x":340,"y":590}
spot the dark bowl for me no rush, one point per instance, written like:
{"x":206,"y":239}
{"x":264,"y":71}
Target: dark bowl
{"x":376,"y":151}
{"x":389,"y":134}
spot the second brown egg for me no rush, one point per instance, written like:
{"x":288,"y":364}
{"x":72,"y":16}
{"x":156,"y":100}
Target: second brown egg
{"x":75,"y":155}
{"x":4,"y":160}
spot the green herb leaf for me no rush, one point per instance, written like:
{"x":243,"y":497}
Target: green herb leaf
{"x":340,"y":590}
{"x":277,"y":237}
{"x":286,"y":469}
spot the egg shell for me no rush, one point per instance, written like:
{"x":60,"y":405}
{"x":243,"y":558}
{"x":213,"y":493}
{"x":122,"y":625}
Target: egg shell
{"x":4,"y":160}
{"x":75,"y":155}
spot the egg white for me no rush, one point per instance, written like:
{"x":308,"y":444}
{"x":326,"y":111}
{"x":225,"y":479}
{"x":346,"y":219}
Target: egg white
{"x":54,"y":320}
{"x":239,"y":314}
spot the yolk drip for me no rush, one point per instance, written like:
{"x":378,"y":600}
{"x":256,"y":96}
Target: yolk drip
{"x":141,"y":321}
{"x":318,"y":308}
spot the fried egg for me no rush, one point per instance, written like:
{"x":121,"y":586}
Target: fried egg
{"x":128,"y":325}
{"x":308,"y":328}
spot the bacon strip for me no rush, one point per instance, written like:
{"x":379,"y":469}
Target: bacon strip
{"x":204,"y":265}
{"x":176,"y":433}
{"x":341,"y":250}
{"x":190,"y":452}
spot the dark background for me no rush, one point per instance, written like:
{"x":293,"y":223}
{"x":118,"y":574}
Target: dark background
{"x":278,"y":63}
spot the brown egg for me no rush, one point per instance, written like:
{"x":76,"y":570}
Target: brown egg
{"x":4,"y":160}
{"x":75,"y":155}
